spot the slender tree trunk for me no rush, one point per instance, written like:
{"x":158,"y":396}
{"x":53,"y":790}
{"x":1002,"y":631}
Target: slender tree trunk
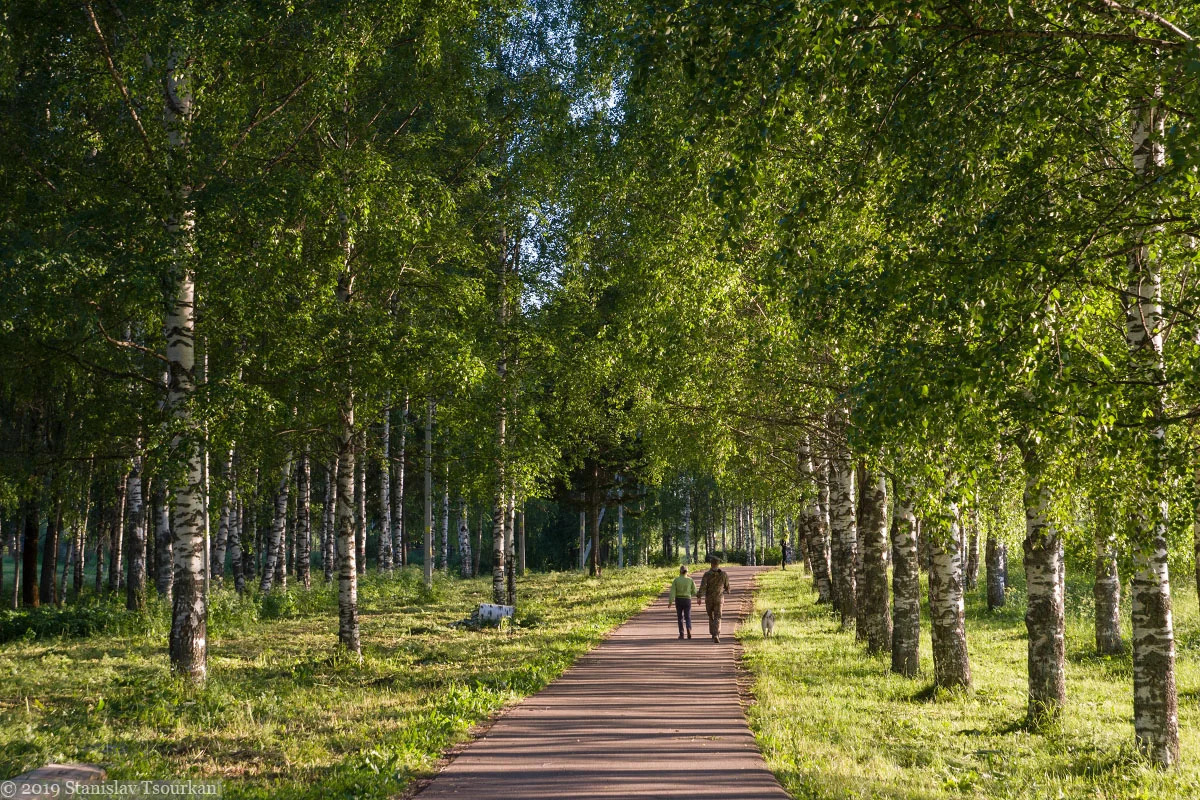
{"x":68,"y":565}
{"x":947,"y":611}
{"x":348,"y":635}
{"x":478,"y":551}
{"x":329,"y":525}
{"x":360,"y":501}
{"x":1044,"y":615}
{"x":1107,"y":589}
{"x":620,"y":537}
{"x":973,"y":550}
{"x":428,"y":533}
{"x":400,"y":538}
{"x":812,"y":522}
{"x":845,"y":536}
{"x":116,"y":547}
{"x":274,"y":545}
{"x":385,"y":493}
{"x":46,"y":586}
{"x":135,"y":585}
{"x":464,"y":540}
{"x":510,"y":555}
{"x":1155,"y":700}
{"x":30,"y":597}
{"x":304,"y":521}
{"x":1196,"y":528}
{"x":583,"y":540}
{"x":226,"y":521}
{"x":446,"y":517}
{"x":100,"y":517}
{"x":995,"y":572}
{"x":237,"y":530}
{"x":81,"y":538}
{"x":906,"y":592}
{"x":521,"y":544}
{"x":877,"y":618}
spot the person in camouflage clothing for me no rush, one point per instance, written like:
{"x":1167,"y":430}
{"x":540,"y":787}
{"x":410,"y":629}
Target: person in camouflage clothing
{"x":713,"y":588}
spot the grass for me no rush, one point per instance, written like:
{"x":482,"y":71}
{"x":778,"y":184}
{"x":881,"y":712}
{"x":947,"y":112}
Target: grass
{"x":835,"y":723}
{"x":282,"y":714}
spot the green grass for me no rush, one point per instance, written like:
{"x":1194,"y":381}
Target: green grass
{"x":282,"y":715}
{"x":835,"y":723}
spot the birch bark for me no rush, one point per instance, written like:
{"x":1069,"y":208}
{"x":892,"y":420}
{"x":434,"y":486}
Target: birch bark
{"x":135,"y":584}
{"x":348,"y":635}
{"x":813,"y":530}
{"x":385,"y":493}
{"x":464,"y":540}
{"x":399,"y":537}
{"x":845,"y":536}
{"x":1044,"y":614}
{"x":1107,"y":589}
{"x":1155,"y":699}
{"x":877,"y":619}
{"x":947,"y":611}
{"x":303,"y":532}
{"x":428,"y":538}
{"x":274,"y":544}
{"x":360,"y":503}
{"x":906,"y":591}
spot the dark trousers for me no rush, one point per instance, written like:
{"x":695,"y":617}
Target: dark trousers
{"x":683,"y":613}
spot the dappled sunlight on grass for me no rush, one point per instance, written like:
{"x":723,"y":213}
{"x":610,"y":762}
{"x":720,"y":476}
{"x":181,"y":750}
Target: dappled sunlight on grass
{"x":835,"y":723}
{"x":283,"y":713}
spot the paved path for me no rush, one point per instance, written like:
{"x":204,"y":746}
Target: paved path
{"x":644,"y":715}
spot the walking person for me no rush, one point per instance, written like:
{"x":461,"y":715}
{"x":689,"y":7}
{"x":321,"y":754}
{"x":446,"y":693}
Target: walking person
{"x":683,"y":589}
{"x":713,"y":588}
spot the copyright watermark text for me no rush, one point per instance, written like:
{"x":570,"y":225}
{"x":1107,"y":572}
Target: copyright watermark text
{"x":37,"y":790}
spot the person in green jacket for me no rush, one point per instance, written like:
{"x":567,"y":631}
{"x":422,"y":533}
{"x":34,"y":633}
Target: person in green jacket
{"x":683,"y":589}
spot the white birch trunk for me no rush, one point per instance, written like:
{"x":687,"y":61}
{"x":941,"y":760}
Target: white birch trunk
{"x":329,"y":522}
{"x":844,"y":528}
{"x":464,"y":540}
{"x":906,"y":591}
{"x":348,"y":633}
{"x":1044,"y":614}
{"x":1155,"y":700}
{"x":428,"y":537}
{"x":510,"y":556}
{"x":399,"y":539}
{"x":876,"y":615}
{"x":135,"y":584}
{"x":274,"y":545}
{"x":360,"y":502}
{"x":385,"y":494}
{"x":303,"y":531}
{"x":446,"y":518}
{"x":582,"y":540}
{"x":947,"y":609}
{"x":813,"y":530}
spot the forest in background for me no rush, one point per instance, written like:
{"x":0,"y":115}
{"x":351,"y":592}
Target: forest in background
{"x":290,"y":291}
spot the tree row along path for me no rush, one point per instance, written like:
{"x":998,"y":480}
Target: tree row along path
{"x":644,"y":715}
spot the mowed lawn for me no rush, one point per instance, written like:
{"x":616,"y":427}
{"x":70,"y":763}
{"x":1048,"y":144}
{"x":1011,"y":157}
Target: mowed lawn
{"x":834,"y":723}
{"x":283,"y":715}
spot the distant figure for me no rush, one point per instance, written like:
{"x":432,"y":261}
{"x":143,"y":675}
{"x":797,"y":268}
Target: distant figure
{"x":683,"y":589}
{"x":787,"y":552}
{"x":713,"y":588}
{"x":768,"y":624}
